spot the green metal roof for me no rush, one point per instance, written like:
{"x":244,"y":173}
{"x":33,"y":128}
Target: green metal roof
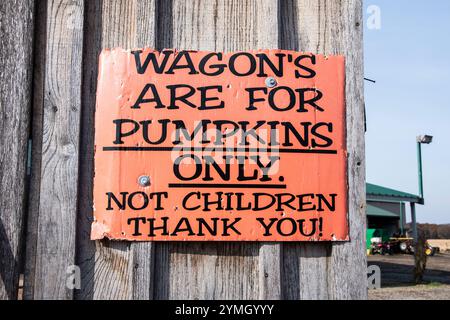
{"x":375,"y":211}
{"x":379,"y":191}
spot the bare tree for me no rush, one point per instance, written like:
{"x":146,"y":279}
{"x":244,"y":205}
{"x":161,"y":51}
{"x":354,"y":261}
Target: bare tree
{"x":420,"y":258}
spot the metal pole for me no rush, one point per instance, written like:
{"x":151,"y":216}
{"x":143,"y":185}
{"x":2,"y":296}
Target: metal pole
{"x":419,"y":164}
{"x":401,"y":218}
{"x":413,"y":221}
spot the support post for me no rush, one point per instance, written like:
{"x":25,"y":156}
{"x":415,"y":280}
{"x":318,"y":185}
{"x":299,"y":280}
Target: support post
{"x":419,"y":167}
{"x":413,"y":221}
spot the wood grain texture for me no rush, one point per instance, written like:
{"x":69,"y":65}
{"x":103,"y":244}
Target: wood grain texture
{"x":348,"y":265}
{"x":336,"y":271}
{"x":218,"y":270}
{"x":305,"y":268}
{"x":16,"y":25}
{"x":40,"y":40}
{"x":110,"y":269}
{"x":56,"y":221}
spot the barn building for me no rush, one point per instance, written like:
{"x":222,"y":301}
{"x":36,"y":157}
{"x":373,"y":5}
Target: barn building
{"x":387,"y":209}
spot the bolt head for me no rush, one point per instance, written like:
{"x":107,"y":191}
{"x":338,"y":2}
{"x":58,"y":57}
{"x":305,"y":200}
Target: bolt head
{"x":144,"y":181}
{"x":271,"y":82}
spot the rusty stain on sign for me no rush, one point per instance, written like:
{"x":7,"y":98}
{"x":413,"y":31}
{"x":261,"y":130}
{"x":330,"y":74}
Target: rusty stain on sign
{"x":210,"y":146}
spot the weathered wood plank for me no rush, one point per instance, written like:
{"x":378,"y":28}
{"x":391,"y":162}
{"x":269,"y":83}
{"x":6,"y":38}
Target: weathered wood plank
{"x":110,"y":270}
{"x":305,"y":268}
{"x":337,"y":271}
{"x":305,"y":271}
{"x":270,"y":271}
{"x":40,"y":41}
{"x":16,"y":44}
{"x":218,"y":270}
{"x":56,"y":221}
{"x":348,"y":266}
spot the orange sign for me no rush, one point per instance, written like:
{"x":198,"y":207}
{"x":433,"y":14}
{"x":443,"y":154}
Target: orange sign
{"x":210,"y":146}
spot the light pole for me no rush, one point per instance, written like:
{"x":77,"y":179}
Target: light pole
{"x":425,"y":139}
{"x":419,"y":245}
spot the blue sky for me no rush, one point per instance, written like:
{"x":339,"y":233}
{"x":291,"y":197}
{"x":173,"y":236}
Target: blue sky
{"x":409,"y":57}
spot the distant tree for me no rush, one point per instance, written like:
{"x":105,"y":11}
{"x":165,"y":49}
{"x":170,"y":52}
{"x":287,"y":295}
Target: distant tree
{"x":433,"y":231}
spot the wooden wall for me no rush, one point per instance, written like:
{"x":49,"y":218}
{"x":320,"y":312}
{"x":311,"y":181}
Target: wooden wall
{"x":48,"y":85}
{"x":16,"y":65}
